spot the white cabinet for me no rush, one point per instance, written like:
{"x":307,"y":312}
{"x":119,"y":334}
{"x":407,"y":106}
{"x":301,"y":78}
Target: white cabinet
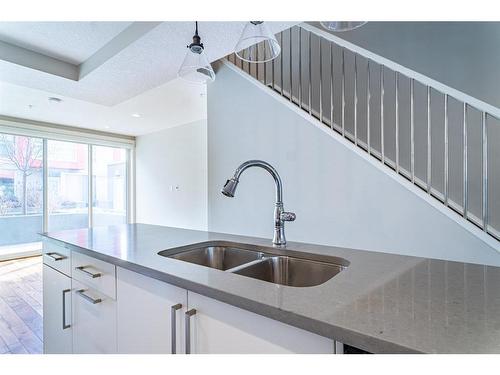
{"x":217,"y":327}
{"x":57,"y":330}
{"x":146,"y":309}
{"x":94,"y":321}
{"x":108,"y":309}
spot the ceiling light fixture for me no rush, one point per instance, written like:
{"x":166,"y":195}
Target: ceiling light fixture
{"x":136,"y":115}
{"x":196,"y":68}
{"x":257,"y":43}
{"x":340,"y":26}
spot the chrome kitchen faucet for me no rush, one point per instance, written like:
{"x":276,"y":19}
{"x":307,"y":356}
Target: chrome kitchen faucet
{"x":280,"y":215}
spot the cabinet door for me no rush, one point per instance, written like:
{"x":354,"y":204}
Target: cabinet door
{"x":221,"y":328}
{"x":57,"y":331}
{"x":145,"y":314}
{"x":94,"y":321}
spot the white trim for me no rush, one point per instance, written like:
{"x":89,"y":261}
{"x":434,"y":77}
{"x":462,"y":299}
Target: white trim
{"x":131,"y":186}
{"x":45,"y":184}
{"x":63,"y":133}
{"x":90,"y":196}
{"x":471,"y":228}
{"x":461,"y":96}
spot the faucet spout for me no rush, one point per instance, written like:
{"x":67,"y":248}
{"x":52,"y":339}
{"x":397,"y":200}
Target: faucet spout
{"x":280,"y":215}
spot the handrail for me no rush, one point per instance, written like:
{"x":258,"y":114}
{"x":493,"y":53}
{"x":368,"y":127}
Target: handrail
{"x":439,"y":86}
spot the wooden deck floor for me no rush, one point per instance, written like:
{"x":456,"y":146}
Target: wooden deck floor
{"x":21,"y":329}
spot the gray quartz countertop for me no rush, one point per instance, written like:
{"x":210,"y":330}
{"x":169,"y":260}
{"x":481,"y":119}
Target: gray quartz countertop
{"x":382,"y":303}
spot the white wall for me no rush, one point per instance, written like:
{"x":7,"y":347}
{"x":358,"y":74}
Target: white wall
{"x":166,"y":159}
{"x":339,"y":196}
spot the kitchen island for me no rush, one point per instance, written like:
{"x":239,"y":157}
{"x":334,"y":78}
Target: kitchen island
{"x":380,"y":303}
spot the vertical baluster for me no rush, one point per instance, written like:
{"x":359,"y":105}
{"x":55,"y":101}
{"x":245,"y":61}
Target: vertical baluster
{"x":355,"y":99}
{"x":368,"y":97}
{"x":343,"y":92}
{"x":320,"y":80}
{"x":429,"y":141}
{"x":331,"y":84}
{"x":412,"y":130}
{"x":300,"y":67}
{"x":310,"y":76}
{"x":382,"y":125}
{"x":446,"y":150}
{"x":290,"y":54}
{"x":484,"y":127}
{"x":273,"y":80}
{"x":281,"y":63}
{"x":397,"y":121}
{"x":257,"y":59}
{"x":265,"y":68}
{"x":465,"y":156}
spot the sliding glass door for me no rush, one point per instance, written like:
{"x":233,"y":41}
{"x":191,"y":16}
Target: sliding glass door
{"x":68,"y":185}
{"x":52,"y":185}
{"x":21,"y":193}
{"x":109,"y":175}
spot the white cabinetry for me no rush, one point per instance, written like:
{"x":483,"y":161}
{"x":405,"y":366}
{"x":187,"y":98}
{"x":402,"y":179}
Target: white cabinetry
{"x":94,"y":321}
{"x":57,"y":330}
{"x":217,"y":327}
{"x":102,"y":308}
{"x":147,"y":308}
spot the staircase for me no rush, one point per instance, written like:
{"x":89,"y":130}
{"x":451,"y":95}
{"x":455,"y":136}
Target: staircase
{"x":443,"y":141}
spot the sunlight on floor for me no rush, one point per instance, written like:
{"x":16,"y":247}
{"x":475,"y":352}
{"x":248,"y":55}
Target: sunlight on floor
{"x":21,"y":329}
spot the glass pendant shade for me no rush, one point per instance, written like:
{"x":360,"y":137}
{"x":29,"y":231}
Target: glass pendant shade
{"x":342,"y":25}
{"x":196,"y":69}
{"x":257,"y":43}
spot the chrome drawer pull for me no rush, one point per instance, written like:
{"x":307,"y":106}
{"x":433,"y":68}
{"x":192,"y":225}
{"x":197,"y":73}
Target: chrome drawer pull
{"x":94,"y":301}
{"x":88,"y":273}
{"x":65,"y":326}
{"x":56,"y":256}
{"x":189,"y":314}
{"x":173,"y":325}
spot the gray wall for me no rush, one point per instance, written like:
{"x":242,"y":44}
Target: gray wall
{"x":340,"y":198}
{"x":463,"y":55}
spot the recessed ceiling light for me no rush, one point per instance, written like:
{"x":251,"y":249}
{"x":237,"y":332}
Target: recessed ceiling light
{"x":136,"y":115}
{"x":53,"y":99}
{"x":106,"y":126}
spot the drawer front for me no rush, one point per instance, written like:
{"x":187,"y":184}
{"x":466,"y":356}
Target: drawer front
{"x":94,"y":273}
{"x":94,"y":321}
{"x":57,"y":257}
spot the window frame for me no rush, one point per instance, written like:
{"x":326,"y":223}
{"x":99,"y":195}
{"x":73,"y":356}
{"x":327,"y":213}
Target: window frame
{"x":91,"y":138}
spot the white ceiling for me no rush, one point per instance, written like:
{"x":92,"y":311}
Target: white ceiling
{"x":72,"y":42}
{"x":171,"y":104}
{"x":147,"y":62}
{"x":139,"y":77}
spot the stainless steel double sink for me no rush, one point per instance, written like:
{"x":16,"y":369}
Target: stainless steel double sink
{"x":278,"y":266}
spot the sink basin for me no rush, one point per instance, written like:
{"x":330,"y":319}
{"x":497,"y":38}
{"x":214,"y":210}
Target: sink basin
{"x":290,"y":271}
{"x":278,"y":266}
{"x":219,"y":257}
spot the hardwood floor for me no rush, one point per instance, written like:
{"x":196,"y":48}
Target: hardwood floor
{"x":21,"y":329}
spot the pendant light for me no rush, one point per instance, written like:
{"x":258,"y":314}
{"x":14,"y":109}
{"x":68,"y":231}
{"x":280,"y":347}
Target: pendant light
{"x":341,"y":25}
{"x":196,"y":68}
{"x":257,"y":43}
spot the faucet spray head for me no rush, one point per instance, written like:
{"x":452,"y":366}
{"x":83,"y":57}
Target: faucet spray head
{"x":230,"y":187}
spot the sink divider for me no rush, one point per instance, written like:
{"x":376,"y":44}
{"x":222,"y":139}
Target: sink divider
{"x":248,"y":264}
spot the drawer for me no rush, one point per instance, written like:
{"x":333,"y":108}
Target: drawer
{"x":57,"y":257}
{"x":94,"y":273}
{"x":94,"y":321}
